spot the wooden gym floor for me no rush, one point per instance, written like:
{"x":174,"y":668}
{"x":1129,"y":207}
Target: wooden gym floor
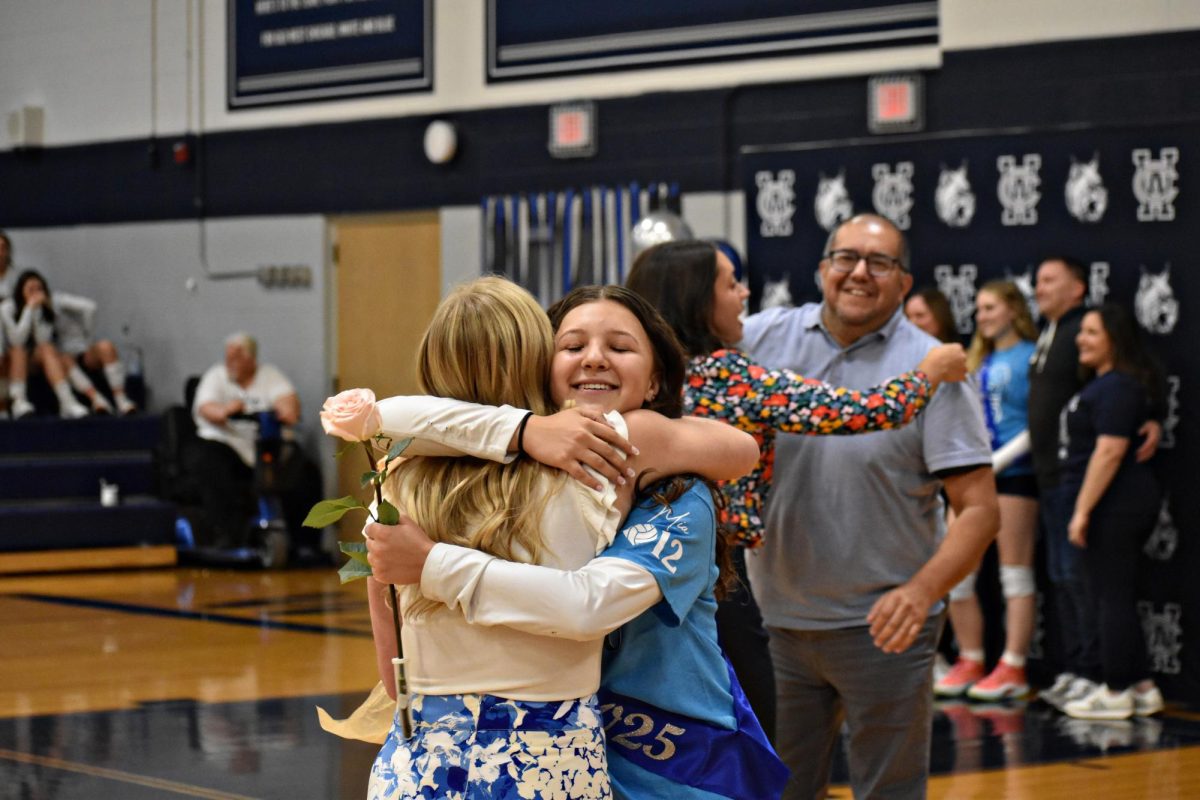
{"x":203,"y":683}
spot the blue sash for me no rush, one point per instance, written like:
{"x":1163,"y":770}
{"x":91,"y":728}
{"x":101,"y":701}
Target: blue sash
{"x":739,"y":764}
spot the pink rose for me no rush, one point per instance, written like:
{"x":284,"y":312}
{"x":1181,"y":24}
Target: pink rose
{"x":351,"y":415}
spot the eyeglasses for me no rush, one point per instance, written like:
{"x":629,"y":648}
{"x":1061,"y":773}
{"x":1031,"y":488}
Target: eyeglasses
{"x":878,"y":264}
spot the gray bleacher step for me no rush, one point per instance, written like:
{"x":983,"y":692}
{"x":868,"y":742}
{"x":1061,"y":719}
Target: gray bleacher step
{"x":55,"y":523}
{"x":76,"y":475}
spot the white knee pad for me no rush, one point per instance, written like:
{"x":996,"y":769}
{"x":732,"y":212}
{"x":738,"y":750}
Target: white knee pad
{"x":964,"y":590}
{"x":1016,"y":581}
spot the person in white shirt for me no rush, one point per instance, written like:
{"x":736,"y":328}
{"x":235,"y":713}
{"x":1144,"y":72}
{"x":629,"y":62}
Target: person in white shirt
{"x":228,"y":392}
{"x":8,"y":273}
{"x":28,"y":319}
{"x":74,"y":316}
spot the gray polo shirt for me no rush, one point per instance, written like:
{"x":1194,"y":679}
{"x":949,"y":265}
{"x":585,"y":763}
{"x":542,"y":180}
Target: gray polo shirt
{"x":852,"y":517}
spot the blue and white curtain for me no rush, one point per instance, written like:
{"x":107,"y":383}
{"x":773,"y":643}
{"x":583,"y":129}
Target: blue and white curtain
{"x":550,"y":242}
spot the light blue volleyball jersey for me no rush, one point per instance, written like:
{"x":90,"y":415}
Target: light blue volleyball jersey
{"x":1004,"y":386}
{"x":669,"y":656}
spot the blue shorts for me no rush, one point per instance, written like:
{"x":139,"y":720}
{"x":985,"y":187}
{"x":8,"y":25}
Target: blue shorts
{"x":482,"y":747}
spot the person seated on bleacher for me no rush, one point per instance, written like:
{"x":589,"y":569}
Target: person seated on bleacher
{"x":8,"y":273}
{"x":28,"y":319}
{"x":8,"y":280}
{"x":73,"y":318}
{"x":238,"y":386}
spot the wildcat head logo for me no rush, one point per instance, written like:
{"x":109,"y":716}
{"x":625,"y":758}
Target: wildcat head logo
{"x":776,"y":294}
{"x":1164,"y":635}
{"x":1024,"y":282}
{"x":892,"y":194}
{"x":1154,"y":184}
{"x":954,"y":200}
{"x":959,"y":288}
{"x":775,"y":202}
{"x":1087,"y":199}
{"x":832,"y":204}
{"x":1165,"y":539}
{"x":1098,"y":283}
{"x":1018,"y":188}
{"x":1155,"y":303}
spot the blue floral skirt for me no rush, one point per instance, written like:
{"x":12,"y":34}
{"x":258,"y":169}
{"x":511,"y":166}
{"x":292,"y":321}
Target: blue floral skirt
{"x":482,"y":747}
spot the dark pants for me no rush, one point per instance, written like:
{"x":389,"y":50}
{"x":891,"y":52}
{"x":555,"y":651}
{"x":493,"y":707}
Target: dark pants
{"x":825,"y":677}
{"x":226,"y":493}
{"x":1115,"y":540}
{"x":1078,"y":634}
{"x":744,"y":639}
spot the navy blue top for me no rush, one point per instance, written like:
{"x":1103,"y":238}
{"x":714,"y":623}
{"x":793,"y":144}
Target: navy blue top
{"x":1113,"y":404}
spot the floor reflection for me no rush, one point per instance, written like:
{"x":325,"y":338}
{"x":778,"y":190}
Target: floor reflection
{"x":264,"y":749}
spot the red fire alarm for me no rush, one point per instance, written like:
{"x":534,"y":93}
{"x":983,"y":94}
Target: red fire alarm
{"x":573,"y":130}
{"x":895,"y":104}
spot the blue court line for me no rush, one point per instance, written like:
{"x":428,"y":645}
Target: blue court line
{"x":200,"y":616}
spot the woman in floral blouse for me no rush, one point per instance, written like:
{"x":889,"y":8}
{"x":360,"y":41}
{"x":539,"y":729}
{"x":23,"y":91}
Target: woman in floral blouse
{"x":693,"y":285}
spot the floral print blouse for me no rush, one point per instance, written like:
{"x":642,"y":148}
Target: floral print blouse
{"x":728,"y":385}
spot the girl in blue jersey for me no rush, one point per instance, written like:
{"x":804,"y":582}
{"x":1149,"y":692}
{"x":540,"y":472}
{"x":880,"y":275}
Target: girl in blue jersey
{"x":999,"y":358}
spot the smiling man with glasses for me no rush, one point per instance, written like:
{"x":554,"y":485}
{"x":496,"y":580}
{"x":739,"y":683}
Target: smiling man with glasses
{"x":854,"y":562}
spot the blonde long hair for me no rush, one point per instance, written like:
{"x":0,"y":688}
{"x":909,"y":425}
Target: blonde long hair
{"x":981,"y":346}
{"x":489,"y":342}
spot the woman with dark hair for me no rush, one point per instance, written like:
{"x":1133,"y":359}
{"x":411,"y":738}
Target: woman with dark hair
{"x":693,"y":286}
{"x":1116,"y":505}
{"x":929,"y":310}
{"x":29,"y":327}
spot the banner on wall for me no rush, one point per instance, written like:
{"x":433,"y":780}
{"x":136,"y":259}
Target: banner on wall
{"x":295,"y":51}
{"x":551,"y":242}
{"x":993,"y":206}
{"x":542,"y":38}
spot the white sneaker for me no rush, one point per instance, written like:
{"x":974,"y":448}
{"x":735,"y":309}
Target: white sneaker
{"x":1102,"y":703}
{"x":21,"y":408}
{"x":124,"y":404}
{"x":1079,"y":689}
{"x":1054,"y":695}
{"x":100,"y":404}
{"x":72,"y":410}
{"x":1147,"y":702}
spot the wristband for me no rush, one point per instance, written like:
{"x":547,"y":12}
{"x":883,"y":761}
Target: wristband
{"x":521,"y":434}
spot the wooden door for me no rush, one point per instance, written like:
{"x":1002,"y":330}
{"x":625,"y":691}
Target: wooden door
{"x":388,"y":283}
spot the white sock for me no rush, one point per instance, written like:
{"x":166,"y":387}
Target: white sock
{"x":79,"y":380}
{"x":115,"y":372}
{"x":1013,"y":659}
{"x":16,"y":390}
{"x":62,"y":390}
{"x":971,"y":655}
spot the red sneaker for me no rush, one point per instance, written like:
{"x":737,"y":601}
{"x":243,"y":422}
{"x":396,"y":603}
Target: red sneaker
{"x":960,"y":678}
{"x":1005,"y":681}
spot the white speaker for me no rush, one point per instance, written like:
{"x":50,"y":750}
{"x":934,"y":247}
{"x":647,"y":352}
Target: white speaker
{"x":26,"y":126}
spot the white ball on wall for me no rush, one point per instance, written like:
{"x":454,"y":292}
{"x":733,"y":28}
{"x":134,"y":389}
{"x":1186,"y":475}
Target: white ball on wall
{"x":441,"y":141}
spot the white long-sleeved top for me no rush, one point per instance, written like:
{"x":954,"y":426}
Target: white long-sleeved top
{"x":31,"y":327}
{"x":543,"y":647}
{"x":74,"y":318}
